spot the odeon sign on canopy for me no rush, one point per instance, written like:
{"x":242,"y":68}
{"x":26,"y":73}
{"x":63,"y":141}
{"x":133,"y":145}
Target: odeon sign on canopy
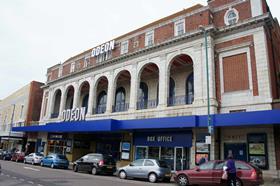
{"x":103,"y":48}
{"x":75,"y":114}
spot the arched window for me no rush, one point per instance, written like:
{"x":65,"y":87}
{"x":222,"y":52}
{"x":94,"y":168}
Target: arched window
{"x":85,"y":102}
{"x":171,"y":91}
{"x":231,"y":16}
{"x":120,"y":100}
{"x":189,"y":89}
{"x":101,"y":103}
{"x":143,"y":96}
{"x":56,"y":106}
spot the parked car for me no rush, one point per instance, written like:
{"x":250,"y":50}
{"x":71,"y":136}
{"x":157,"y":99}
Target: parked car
{"x":211,"y":173}
{"x":95,"y":163}
{"x":6,"y":155}
{"x":150,"y":169}
{"x":55,"y":160}
{"x":18,"y":156}
{"x":33,"y":158}
{"x":0,"y":169}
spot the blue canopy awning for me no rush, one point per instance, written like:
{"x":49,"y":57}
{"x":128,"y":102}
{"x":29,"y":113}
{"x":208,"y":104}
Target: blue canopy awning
{"x":108,"y":125}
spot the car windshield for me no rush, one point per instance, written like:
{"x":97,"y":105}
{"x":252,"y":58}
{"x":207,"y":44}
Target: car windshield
{"x":61,"y":157}
{"x":162,"y":164}
{"x":38,"y":154}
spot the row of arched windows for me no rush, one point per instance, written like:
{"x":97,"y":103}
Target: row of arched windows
{"x":145,"y":93}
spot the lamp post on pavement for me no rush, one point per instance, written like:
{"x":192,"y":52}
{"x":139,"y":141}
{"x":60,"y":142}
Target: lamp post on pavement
{"x":209,"y":124}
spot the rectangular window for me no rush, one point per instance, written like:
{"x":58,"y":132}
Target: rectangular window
{"x":235,"y":72}
{"x":149,"y":38}
{"x":86,"y":62}
{"x":124,"y":47}
{"x":72,"y":69}
{"x":60,"y":71}
{"x":179,"y":27}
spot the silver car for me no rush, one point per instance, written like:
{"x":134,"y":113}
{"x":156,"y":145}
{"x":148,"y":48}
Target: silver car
{"x":150,"y":169}
{"x":33,"y":158}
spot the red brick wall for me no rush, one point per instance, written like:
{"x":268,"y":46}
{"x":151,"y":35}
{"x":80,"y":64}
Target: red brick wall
{"x":164,"y":33}
{"x":194,"y":21}
{"x":79,"y":64}
{"x":54,"y":74}
{"x":252,"y":57}
{"x":235,"y":72}
{"x":34,"y":102}
{"x":66,"y":69}
{"x":216,"y":3}
{"x":244,"y":10}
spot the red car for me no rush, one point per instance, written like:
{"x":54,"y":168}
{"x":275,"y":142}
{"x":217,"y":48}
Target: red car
{"x":210,"y":173}
{"x":18,"y":156}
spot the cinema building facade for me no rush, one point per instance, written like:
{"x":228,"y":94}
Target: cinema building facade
{"x":144,"y":94}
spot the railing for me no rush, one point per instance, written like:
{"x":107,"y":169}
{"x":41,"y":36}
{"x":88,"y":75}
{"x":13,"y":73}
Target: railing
{"x":54,"y":115}
{"x":147,"y":104}
{"x":180,"y":100}
{"x":122,"y":107}
{"x":101,"y":109}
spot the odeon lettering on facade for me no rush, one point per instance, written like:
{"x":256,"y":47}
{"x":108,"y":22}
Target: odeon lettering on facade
{"x":144,"y":94}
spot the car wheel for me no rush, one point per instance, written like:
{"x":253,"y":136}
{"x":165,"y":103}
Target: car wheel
{"x":76,"y":168}
{"x":42,"y":164}
{"x":94,"y":171}
{"x":152,"y":178}
{"x":122,"y":175}
{"x":183,"y":180}
{"x":238,"y":182}
{"x":52,"y":166}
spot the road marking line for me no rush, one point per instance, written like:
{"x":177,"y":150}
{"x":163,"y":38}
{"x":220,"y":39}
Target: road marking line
{"x":31,"y":182}
{"x":30,"y":168}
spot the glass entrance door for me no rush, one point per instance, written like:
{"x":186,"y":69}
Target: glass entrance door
{"x":141,"y":153}
{"x":180,"y":158}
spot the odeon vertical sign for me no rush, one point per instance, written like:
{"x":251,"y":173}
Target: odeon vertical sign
{"x":75,"y":114}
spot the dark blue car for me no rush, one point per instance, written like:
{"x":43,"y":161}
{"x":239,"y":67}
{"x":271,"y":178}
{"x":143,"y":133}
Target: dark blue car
{"x":55,"y":161}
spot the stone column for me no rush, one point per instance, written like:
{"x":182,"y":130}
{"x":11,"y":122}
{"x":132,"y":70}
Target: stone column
{"x":163,"y":80}
{"x":62,"y":102}
{"x":133,"y":89}
{"x":76,"y":95}
{"x":50,"y":104}
{"x":43,"y":105}
{"x":110,"y":94}
{"x":91,"y":97}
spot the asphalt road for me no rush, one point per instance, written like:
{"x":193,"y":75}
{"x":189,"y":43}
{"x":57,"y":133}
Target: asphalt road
{"x":19,"y":174}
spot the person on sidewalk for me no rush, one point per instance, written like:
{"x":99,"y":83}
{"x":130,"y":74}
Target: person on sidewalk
{"x":231,"y":171}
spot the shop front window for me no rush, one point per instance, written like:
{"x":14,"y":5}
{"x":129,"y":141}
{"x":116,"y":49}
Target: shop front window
{"x":56,"y":146}
{"x":167,"y":154}
{"x":153,"y":153}
{"x":141,"y":152}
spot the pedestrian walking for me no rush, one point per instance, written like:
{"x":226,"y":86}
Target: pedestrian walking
{"x":231,"y":171}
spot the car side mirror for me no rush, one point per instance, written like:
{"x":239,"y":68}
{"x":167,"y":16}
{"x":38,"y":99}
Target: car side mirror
{"x":197,"y":169}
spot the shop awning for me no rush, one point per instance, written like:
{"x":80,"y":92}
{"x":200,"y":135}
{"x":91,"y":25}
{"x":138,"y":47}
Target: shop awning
{"x":75,"y":126}
{"x":269,"y":117}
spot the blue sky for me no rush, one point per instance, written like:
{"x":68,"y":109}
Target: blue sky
{"x":37,"y":34}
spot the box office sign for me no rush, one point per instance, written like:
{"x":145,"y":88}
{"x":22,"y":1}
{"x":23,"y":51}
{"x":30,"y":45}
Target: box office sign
{"x":163,"y":139}
{"x":76,"y":114}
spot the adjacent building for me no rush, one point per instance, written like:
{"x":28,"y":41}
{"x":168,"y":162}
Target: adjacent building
{"x":147,"y":92}
{"x":21,"y":108}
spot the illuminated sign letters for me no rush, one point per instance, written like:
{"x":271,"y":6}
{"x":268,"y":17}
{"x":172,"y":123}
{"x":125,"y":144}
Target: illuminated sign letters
{"x":103,"y":48}
{"x":76,"y":114}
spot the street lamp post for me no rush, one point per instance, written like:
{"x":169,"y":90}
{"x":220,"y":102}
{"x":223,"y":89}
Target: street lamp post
{"x":209,"y":124}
